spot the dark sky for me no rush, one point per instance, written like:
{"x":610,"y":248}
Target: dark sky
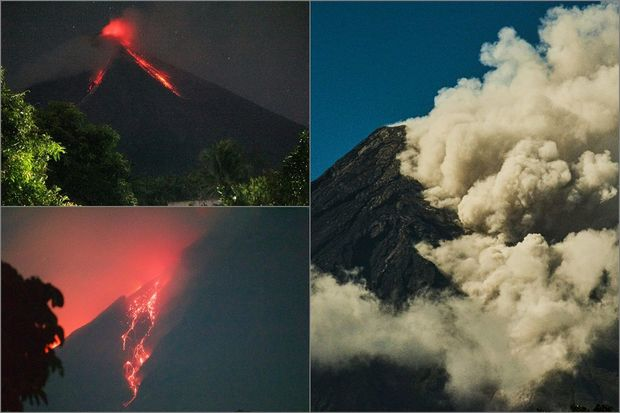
{"x":258,"y":50}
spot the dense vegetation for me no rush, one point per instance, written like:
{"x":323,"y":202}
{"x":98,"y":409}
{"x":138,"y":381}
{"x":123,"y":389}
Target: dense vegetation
{"x":26,"y":151}
{"x":55,"y":156}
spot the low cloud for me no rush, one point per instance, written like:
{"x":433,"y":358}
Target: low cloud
{"x":528,"y":310}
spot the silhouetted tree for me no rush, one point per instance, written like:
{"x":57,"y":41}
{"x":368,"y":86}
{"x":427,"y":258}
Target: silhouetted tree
{"x":222,"y":165}
{"x":92,"y":171}
{"x":289,"y":185}
{"x":30,"y":330}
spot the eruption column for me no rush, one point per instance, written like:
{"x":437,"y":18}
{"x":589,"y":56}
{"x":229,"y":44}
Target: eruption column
{"x":141,"y":311}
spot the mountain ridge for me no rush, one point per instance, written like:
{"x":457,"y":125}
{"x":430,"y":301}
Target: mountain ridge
{"x":162,"y":133}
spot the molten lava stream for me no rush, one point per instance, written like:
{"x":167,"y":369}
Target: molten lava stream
{"x":141,"y":313}
{"x":159,"y":75}
{"x":96,"y":81}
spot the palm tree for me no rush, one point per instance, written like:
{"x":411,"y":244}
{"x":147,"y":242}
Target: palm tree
{"x":222,"y":165}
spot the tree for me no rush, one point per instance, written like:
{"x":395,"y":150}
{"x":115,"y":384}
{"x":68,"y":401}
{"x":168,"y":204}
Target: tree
{"x":92,"y":172}
{"x":289,"y":185}
{"x":293,"y":181}
{"x":222,"y":165}
{"x":26,"y":151}
{"x":30,"y":331}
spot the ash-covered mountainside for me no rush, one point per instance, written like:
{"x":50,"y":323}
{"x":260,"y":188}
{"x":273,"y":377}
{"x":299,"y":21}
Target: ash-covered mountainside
{"x":163,"y":133}
{"x":367,"y":216}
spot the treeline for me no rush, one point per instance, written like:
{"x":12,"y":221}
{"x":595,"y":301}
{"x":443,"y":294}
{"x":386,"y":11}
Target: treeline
{"x":55,"y":156}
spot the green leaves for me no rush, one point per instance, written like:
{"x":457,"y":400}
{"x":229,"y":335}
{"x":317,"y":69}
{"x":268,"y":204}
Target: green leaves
{"x":26,"y":151}
{"x":287,"y":186}
{"x":92,"y":172}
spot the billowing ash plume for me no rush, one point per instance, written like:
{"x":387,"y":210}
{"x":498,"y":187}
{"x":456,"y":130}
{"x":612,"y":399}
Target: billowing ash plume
{"x":528,"y":158}
{"x":529,"y":309}
{"x":536,"y":139}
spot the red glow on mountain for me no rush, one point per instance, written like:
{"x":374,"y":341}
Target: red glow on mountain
{"x":157,"y":74}
{"x":142,"y":315}
{"x":96,"y":80}
{"x":123,"y":32}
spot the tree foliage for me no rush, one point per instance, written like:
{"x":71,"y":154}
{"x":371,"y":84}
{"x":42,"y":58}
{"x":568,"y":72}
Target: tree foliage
{"x":221,"y":165}
{"x":26,"y":151}
{"x":29,"y":328}
{"x":289,"y":185}
{"x":92,"y":171}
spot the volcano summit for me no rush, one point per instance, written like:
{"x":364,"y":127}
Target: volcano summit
{"x":166,"y":116}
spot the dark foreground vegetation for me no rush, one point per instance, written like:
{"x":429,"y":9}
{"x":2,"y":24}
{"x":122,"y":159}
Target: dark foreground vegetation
{"x":55,"y":156}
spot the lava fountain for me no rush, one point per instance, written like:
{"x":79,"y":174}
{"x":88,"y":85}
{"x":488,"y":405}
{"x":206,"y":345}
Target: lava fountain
{"x":142,"y":315}
{"x":123,"y":32}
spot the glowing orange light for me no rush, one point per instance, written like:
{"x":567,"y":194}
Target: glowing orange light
{"x":141,"y":309}
{"x":121,"y":30}
{"x":53,"y":345}
{"x":96,"y":80}
{"x":159,"y":75}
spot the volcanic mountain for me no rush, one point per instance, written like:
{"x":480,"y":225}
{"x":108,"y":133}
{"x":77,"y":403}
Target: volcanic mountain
{"x":366,"y":219}
{"x":228,"y":331}
{"x":162,"y":132}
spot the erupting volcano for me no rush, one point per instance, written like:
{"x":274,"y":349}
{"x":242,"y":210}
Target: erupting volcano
{"x":142,"y":316}
{"x":122,"y":31}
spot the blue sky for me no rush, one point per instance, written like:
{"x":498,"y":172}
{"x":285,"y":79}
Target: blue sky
{"x":377,"y":63}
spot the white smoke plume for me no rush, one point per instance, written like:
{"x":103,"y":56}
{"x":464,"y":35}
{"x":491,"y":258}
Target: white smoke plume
{"x":529,"y":309}
{"x":528,"y":158}
{"x":537,"y":138}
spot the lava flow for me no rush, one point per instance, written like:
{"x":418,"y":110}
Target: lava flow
{"x":96,"y":80}
{"x":122,"y":31}
{"x":142,"y":316}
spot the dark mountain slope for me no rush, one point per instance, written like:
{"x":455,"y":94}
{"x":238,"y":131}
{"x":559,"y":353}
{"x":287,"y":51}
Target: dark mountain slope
{"x":366,"y":214}
{"x":232,"y":332}
{"x":163,"y":133}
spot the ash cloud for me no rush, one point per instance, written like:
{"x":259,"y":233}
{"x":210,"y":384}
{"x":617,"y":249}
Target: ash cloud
{"x":530,"y":310}
{"x":528,"y":158}
{"x":534,"y":141}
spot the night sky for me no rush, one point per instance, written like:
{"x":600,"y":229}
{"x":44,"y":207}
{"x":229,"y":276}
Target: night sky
{"x":258,"y":50}
{"x":375,"y":64}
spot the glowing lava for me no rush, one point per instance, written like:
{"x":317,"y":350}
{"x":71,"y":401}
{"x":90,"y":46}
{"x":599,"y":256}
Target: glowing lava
{"x":159,"y":75}
{"x":123,"y":31}
{"x":96,"y":80}
{"x":141,"y":314}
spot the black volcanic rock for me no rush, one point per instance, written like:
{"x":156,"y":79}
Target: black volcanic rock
{"x":366,"y":214}
{"x":162,"y":133}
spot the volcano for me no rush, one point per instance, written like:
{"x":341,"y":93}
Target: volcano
{"x":163,"y":129}
{"x":227,"y":332}
{"x":366,"y":219}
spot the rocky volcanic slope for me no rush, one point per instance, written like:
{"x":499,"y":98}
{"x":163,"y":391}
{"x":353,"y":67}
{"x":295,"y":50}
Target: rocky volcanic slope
{"x":162,"y":133}
{"x":365,"y":214}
